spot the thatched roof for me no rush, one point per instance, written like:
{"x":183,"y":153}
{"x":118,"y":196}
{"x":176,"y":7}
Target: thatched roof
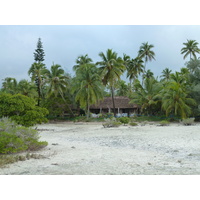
{"x":120,"y":102}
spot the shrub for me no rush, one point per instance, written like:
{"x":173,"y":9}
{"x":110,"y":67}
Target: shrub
{"x":124,"y":120}
{"x":133,"y":124}
{"x":111,"y":122}
{"x":164,"y":123}
{"x":22,"y":109}
{"x":188,"y":121}
{"x":14,"y":138}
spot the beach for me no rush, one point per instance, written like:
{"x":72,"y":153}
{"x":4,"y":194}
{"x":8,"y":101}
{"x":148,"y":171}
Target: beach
{"x":90,"y":149}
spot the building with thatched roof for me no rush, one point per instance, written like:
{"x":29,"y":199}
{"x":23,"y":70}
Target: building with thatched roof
{"x":122,"y":105}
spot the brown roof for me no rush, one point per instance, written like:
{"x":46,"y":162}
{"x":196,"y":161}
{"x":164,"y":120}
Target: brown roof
{"x":120,"y":102}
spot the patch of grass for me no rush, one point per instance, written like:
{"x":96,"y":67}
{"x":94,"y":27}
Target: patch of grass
{"x":9,"y":159}
{"x":164,"y":123}
{"x":133,"y":124}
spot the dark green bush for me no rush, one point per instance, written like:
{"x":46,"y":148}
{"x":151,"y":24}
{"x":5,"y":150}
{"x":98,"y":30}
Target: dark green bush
{"x":22,"y":109}
{"x":124,"y":120}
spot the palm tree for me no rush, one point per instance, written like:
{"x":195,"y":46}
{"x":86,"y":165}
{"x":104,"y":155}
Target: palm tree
{"x":57,"y":82}
{"x":111,"y":68}
{"x":27,"y":88}
{"x":87,"y":86}
{"x":56,"y":79}
{"x":146,"y":96}
{"x":175,"y":100}
{"x":190,"y":48}
{"x":122,"y":88}
{"x":82,"y":60}
{"x":37,"y":74}
{"x":9,"y":85}
{"x":148,"y":74}
{"x":134,"y":68}
{"x":146,"y":52}
{"x":166,"y":73}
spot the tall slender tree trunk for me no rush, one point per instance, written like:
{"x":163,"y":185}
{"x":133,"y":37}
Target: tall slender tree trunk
{"x":88,"y":107}
{"x":144,"y":73}
{"x":112,"y":93}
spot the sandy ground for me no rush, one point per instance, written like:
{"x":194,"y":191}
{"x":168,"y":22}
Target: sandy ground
{"x":90,"y":149}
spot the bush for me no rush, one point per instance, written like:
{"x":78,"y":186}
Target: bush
{"x":14,"y":138}
{"x":188,"y":121}
{"x":164,"y":123}
{"x":22,"y":109}
{"x":133,"y":124}
{"x":124,"y":120}
{"x":111,"y":122}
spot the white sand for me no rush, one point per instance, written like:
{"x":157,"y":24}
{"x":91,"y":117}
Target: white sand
{"x":88,"y":148}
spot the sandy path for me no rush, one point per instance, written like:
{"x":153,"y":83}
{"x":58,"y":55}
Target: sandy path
{"x":91,"y":149}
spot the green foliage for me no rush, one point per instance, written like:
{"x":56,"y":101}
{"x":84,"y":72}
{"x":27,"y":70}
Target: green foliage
{"x":191,"y":48}
{"x":39,"y":52}
{"x":147,"y":96}
{"x":164,"y":123}
{"x":133,"y":124}
{"x":87,"y":85}
{"x":124,"y":120}
{"x":21,"y":109}
{"x":14,"y":138}
{"x":111,"y":122}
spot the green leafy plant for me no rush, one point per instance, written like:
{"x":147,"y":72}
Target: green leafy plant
{"x":22,"y":110}
{"x":133,"y":124}
{"x":124,"y":120}
{"x":111,"y":122}
{"x":164,"y":123}
{"x":14,"y":138}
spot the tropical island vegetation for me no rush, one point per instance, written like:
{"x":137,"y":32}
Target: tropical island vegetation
{"x":54,"y":91}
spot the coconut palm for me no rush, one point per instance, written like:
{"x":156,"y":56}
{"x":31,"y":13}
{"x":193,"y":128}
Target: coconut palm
{"x":148,"y":74}
{"x":122,"y":89}
{"x":111,"y":68}
{"x":175,"y":100}
{"x":82,"y":60}
{"x":27,"y":88}
{"x":87,"y":86}
{"x":166,"y":73}
{"x":57,"y":82}
{"x":9,"y":85}
{"x":37,"y":74}
{"x":146,"y":96}
{"x":191,"y":48}
{"x":146,"y":52}
{"x":134,"y":68}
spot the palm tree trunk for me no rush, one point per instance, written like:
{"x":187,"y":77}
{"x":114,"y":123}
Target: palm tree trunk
{"x":88,"y":108}
{"x":112,"y":93}
{"x":144,"y":73}
{"x":88,"y":111}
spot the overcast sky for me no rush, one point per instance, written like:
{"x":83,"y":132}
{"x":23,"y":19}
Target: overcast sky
{"x":64,"y":43}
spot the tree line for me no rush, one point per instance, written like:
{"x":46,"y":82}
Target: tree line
{"x":170,"y":94}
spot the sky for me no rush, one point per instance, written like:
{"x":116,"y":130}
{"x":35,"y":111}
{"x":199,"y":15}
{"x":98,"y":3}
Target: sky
{"x":63,"y":44}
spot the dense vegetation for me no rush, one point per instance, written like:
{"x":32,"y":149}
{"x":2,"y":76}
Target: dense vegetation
{"x":15,"y":138}
{"x":172,"y":94}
